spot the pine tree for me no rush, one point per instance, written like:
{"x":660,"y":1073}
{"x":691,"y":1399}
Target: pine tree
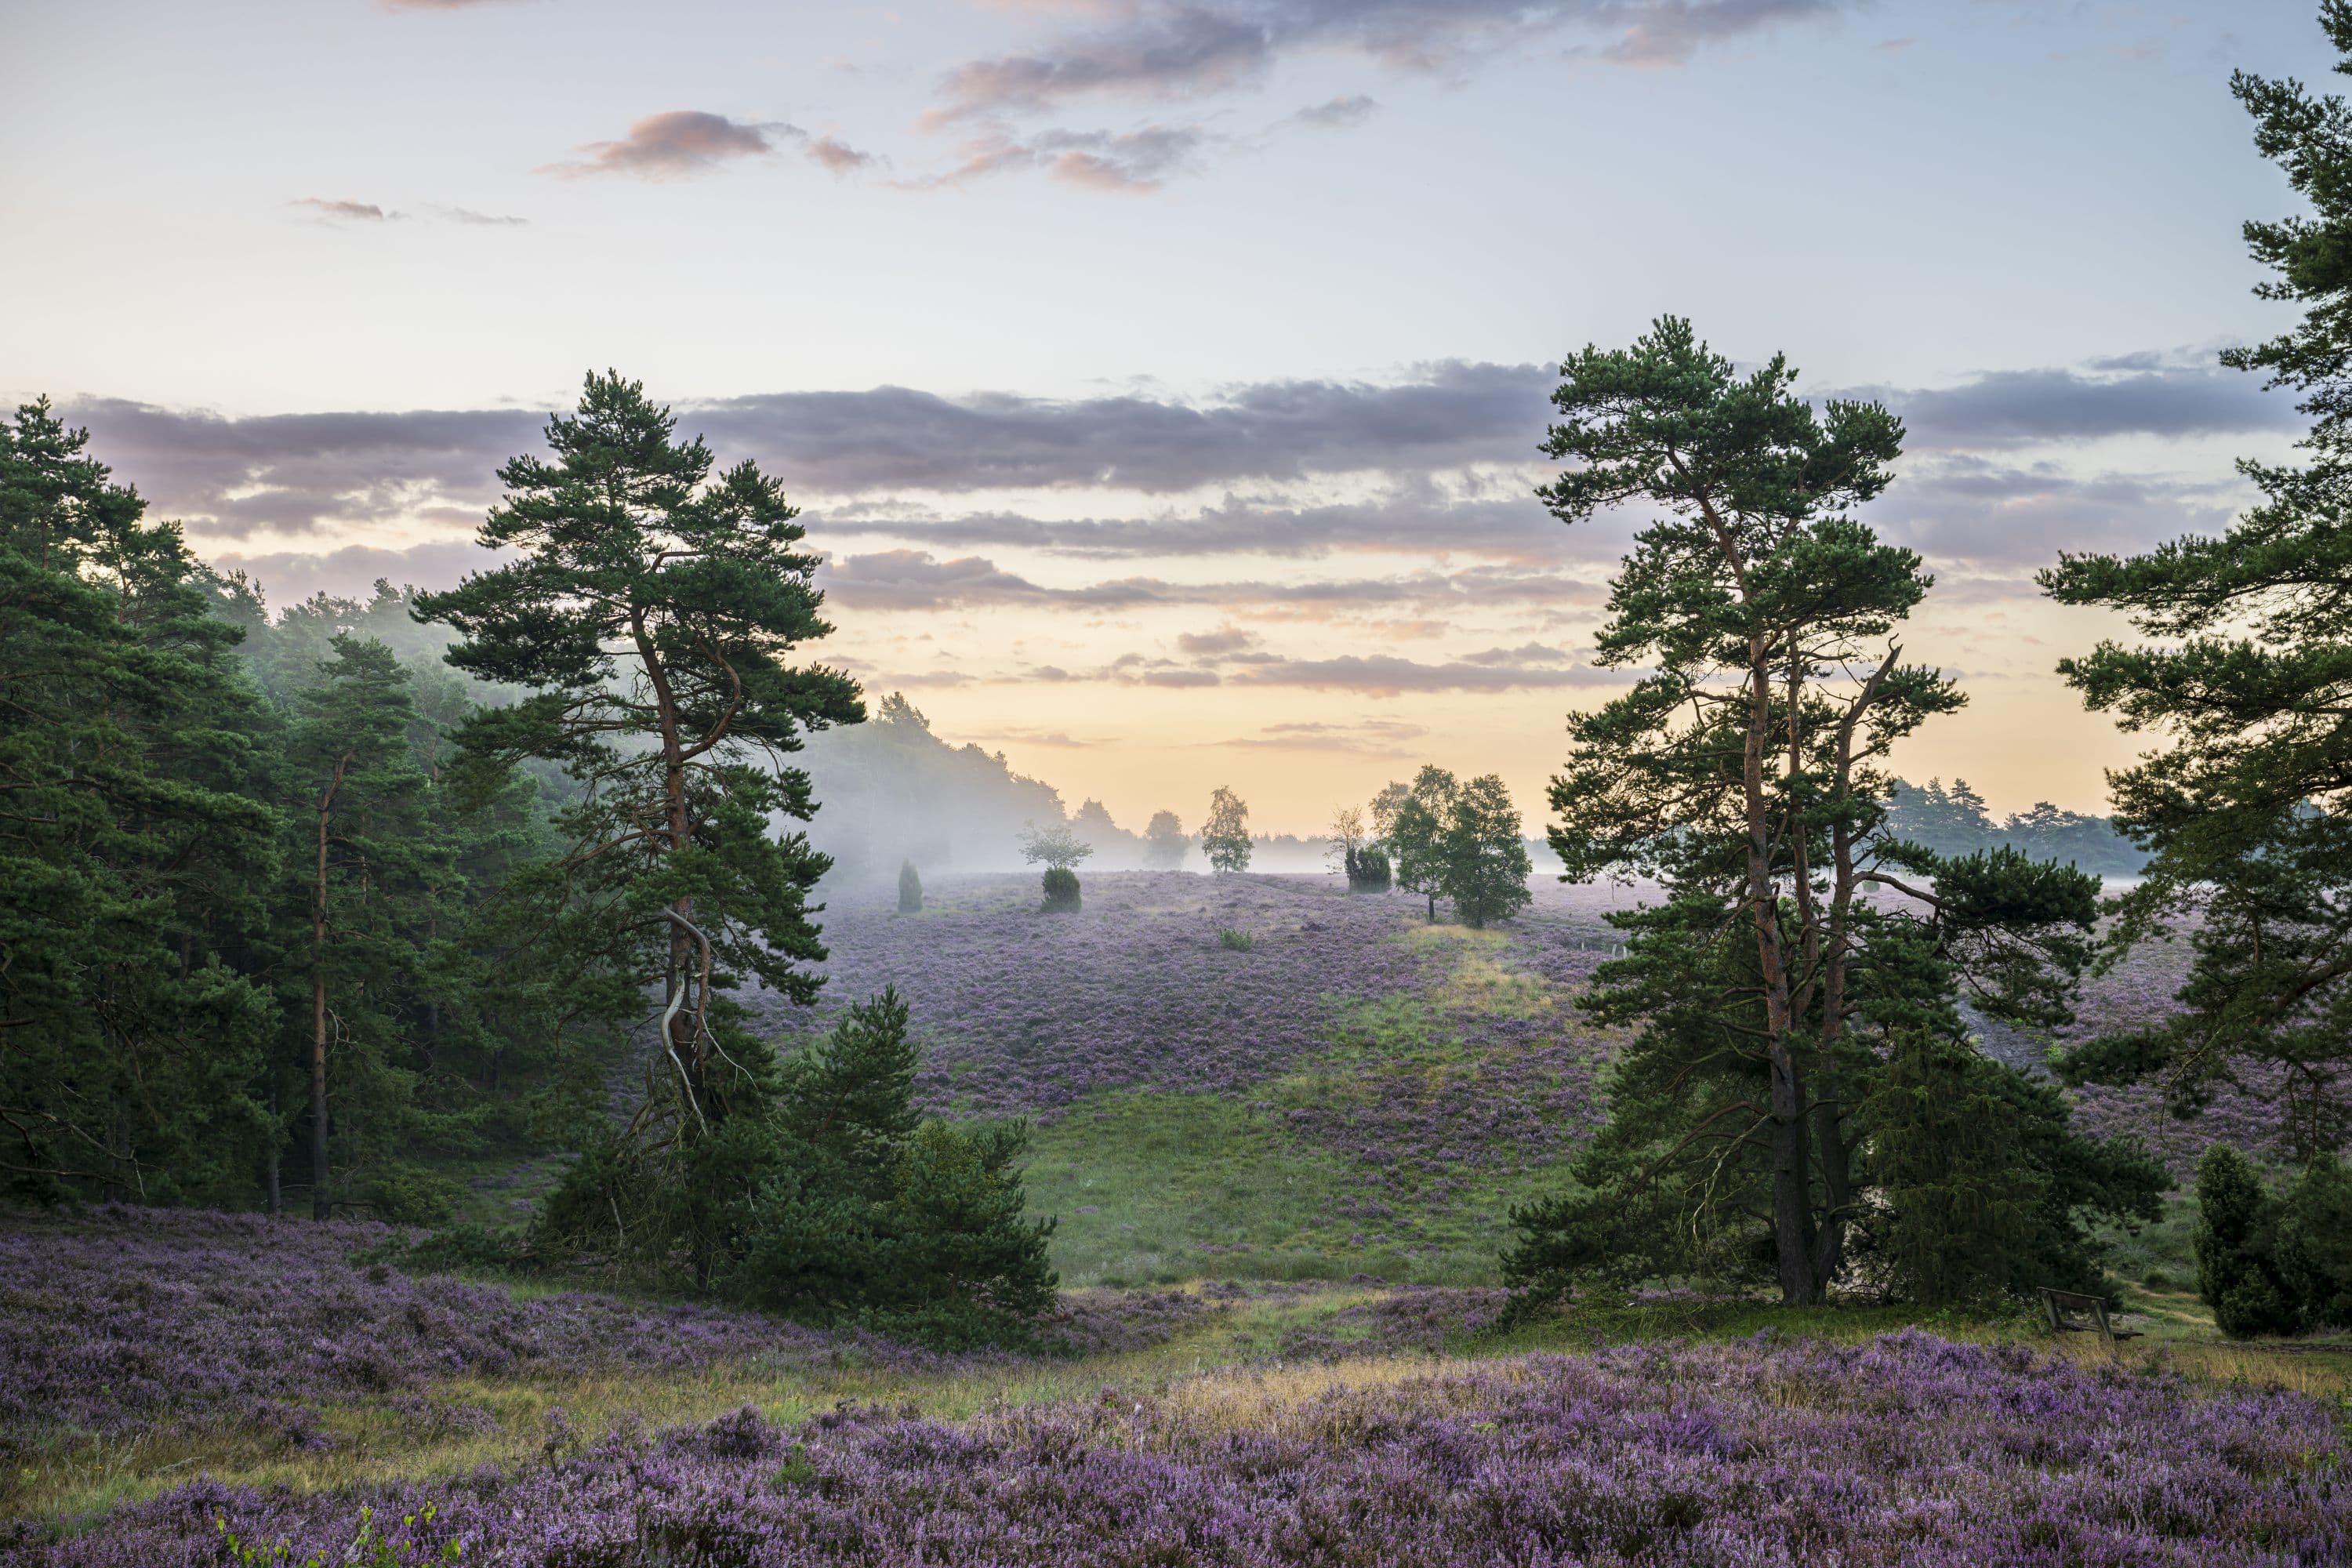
{"x":1745,"y":773}
{"x":368,"y":864}
{"x":858,"y":1206}
{"x":651,"y":615}
{"x":2247,"y":809}
{"x":135,"y":853}
{"x":911,"y":889}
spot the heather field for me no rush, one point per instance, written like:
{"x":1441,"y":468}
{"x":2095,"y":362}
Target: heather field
{"x":1355,"y":1091}
{"x":1280,"y":1128}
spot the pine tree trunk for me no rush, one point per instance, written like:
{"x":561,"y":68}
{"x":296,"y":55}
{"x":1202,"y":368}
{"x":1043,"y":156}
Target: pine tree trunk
{"x":1792,"y":1183}
{"x":320,"y":1206}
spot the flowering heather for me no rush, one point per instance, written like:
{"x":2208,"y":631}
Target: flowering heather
{"x":1414,"y":1320}
{"x":1908,"y":1450}
{"x":128,"y":1316}
{"x":1022,"y":1013}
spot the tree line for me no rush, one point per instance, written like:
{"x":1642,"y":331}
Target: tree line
{"x":264,"y":888}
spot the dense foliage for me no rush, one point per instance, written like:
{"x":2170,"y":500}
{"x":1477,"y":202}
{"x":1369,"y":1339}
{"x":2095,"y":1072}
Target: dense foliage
{"x":1482,"y":862}
{"x":2273,"y":1264}
{"x":242,"y":907}
{"x":1761,"y":1124}
{"x":2247,"y":806}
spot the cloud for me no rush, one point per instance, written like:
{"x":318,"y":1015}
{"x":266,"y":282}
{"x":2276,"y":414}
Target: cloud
{"x":1669,"y":32}
{"x":1182,"y":49}
{"x":1157,"y":50}
{"x":1371,"y":737}
{"x":371,"y":213}
{"x":2130,"y":397}
{"x":1385,"y":675}
{"x":677,"y":142}
{"x":297,"y":472}
{"x":1226,"y":640}
{"x":1525,"y":655}
{"x":1962,"y":495}
{"x":1970,"y":510}
{"x":1339,"y":114}
{"x":1407,"y":520}
{"x":344,"y":211}
{"x":838,"y":155}
{"x":1135,"y":160}
{"x":915,"y":580}
{"x":1446,"y":414}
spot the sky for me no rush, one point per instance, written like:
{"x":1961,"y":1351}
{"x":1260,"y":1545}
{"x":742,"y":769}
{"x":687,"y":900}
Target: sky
{"x":1163,"y":380}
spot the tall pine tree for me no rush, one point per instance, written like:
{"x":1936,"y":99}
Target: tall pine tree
{"x":1745,"y":771}
{"x":651,"y":614}
{"x":2248,"y":808}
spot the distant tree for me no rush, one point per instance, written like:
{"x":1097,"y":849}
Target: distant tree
{"x":1385,"y":806}
{"x":911,"y":889}
{"x":894,"y":790}
{"x":1092,"y":822}
{"x":1354,"y":853}
{"x":1950,"y":822}
{"x":1482,"y":862}
{"x":1053,"y":845}
{"x":1225,"y":837}
{"x":651,"y":610}
{"x":1416,"y":833}
{"x":2247,"y":808}
{"x":1165,"y":845}
{"x":1059,"y":851}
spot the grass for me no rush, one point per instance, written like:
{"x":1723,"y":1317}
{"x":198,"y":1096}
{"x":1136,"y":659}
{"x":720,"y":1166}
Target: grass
{"x":1155,"y":1188}
{"x":1152,"y":1188}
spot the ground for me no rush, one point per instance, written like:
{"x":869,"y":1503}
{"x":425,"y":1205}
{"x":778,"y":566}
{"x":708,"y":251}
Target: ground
{"x":1281,"y":1169}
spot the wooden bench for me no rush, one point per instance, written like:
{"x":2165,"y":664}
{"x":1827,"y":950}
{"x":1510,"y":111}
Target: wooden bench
{"x":2062,"y":1305}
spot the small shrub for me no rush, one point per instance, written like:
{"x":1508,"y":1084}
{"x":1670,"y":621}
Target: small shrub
{"x":1368,"y":869}
{"x":2237,"y":1230}
{"x":1061,"y":890}
{"x":2314,"y":1242}
{"x":1236,"y":941}
{"x":911,"y":889}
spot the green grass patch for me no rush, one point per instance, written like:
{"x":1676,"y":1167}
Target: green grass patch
{"x":1155,"y":1188}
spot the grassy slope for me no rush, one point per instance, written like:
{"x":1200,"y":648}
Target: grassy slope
{"x":1158,"y":1187}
